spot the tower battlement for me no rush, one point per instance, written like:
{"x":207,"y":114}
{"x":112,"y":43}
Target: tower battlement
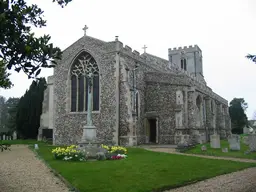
{"x":188,"y":58}
{"x":190,"y":48}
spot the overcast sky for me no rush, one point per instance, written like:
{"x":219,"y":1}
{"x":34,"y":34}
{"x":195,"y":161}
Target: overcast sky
{"x":224,"y":30}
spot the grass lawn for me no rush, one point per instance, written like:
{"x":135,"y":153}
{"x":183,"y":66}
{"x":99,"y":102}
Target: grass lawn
{"x":218,"y":152}
{"x":142,"y":171}
{"x":21,"y":142}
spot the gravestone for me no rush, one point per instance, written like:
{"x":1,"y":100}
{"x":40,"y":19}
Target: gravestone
{"x":202,"y":138}
{"x":245,"y":140}
{"x":14,"y":135}
{"x":234,"y":142}
{"x":197,"y":138}
{"x":147,"y":139}
{"x":252,"y":142}
{"x":225,"y":150}
{"x":215,"y":141}
{"x":36,"y":146}
{"x":245,"y":130}
{"x":3,"y":137}
{"x":203,"y":148}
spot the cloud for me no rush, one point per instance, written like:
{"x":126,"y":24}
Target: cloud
{"x":224,"y":30}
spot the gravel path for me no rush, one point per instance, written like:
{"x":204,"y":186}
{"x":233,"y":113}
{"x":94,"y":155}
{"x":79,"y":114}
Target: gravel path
{"x":241,"y":181}
{"x":22,"y":171}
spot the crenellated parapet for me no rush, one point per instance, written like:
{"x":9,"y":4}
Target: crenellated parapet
{"x":190,"y":48}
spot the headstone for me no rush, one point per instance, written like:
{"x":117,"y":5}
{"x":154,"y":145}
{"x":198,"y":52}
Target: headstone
{"x":3,"y":137}
{"x":245,"y":130}
{"x":7,"y":137}
{"x":215,"y":141}
{"x":251,"y":130}
{"x":36,"y":146}
{"x":14,"y":135}
{"x":246,"y":140}
{"x":252,"y":142}
{"x":203,"y":148}
{"x":234,"y":142}
{"x":225,"y":150}
{"x":202,"y":138}
{"x":147,"y":139}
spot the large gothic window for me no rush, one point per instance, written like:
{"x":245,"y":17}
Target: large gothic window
{"x":82,"y":66}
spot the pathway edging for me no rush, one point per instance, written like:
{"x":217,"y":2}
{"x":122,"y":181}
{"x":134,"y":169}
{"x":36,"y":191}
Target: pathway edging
{"x":172,"y":151}
{"x":71,"y":187}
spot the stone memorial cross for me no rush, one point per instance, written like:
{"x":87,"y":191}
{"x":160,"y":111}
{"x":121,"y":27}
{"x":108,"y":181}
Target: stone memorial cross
{"x":89,"y":69}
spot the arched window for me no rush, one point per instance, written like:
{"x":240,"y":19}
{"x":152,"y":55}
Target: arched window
{"x":212,"y":106}
{"x":82,"y":66}
{"x":183,"y":64}
{"x":198,"y":102}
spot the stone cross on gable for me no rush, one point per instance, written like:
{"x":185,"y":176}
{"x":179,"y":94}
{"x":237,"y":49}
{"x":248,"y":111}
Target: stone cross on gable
{"x":85,"y":28}
{"x":144,"y":48}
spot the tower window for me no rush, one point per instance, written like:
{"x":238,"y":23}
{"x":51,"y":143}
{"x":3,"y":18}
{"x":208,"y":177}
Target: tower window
{"x":183,"y":65}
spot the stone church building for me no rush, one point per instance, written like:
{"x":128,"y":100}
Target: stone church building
{"x":137,"y":98}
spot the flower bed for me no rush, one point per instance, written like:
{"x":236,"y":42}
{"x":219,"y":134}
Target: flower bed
{"x":72,"y":153}
{"x":68,"y":153}
{"x":115,"y":152}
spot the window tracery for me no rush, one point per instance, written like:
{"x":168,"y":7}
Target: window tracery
{"x":81,"y":69}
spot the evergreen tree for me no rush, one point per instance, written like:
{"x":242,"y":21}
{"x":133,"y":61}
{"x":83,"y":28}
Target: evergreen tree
{"x":30,"y":110}
{"x":12,"y":107}
{"x":237,"y":114}
{"x":2,"y":114}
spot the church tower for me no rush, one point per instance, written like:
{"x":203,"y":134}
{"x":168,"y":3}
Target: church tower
{"x":188,"y":59}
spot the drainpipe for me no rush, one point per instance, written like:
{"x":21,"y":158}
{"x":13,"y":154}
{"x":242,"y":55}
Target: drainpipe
{"x":195,"y":63}
{"x":117,"y":90}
